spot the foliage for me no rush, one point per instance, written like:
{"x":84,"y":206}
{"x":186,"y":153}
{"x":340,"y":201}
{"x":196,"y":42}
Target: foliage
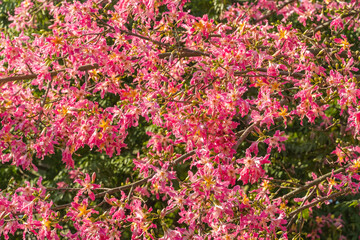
{"x":179,"y":119}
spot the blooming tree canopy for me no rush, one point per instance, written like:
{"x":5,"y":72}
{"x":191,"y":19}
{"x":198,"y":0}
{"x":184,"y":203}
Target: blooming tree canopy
{"x":226,"y":100}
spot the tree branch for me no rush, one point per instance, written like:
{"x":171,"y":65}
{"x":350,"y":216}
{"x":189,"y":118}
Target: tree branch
{"x":121,"y":188}
{"x":245,"y":134}
{"x":296,"y":75}
{"x":327,"y":23}
{"x":52,"y":73}
{"x":73,"y":189}
{"x":314,"y":182}
{"x":183,"y":157}
{"x":185,"y":53}
{"x":323,"y":199}
{"x":269,"y":13}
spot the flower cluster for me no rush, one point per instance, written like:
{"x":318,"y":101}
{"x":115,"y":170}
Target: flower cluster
{"x":222,"y":98}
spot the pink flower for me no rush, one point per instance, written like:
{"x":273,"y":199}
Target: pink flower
{"x":275,"y":140}
{"x":88,"y":185}
{"x":337,"y":23}
{"x":345,"y":45}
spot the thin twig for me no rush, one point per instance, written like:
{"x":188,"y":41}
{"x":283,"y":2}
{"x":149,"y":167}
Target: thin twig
{"x":302,"y":204}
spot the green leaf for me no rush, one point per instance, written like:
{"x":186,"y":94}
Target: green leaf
{"x":306,"y":214}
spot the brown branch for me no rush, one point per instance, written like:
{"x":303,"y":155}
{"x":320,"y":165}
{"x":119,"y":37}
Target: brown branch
{"x":88,"y":67}
{"x":125,"y":187}
{"x":272,"y":12}
{"x":197,"y":53}
{"x":111,"y":191}
{"x":144,"y":38}
{"x":72,"y":189}
{"x":42,"y":104}
{"x":314,"y":51}
{"x":281,"y":181}
{"x":102,"y":21}
{"x":61,"y":207}
{"x":314,"y":182}
{"x":183,"y":157}
{"x":319,"y":201}
{"x":185,"y":53}
{"x":295,"y":75}
{"x":52,"y":74}
{"x":307,"y":196}
{"x":245,"y":134}
{"x":327,"y":23}
{"x":129,"y":186}
{"x":283,"y":73}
